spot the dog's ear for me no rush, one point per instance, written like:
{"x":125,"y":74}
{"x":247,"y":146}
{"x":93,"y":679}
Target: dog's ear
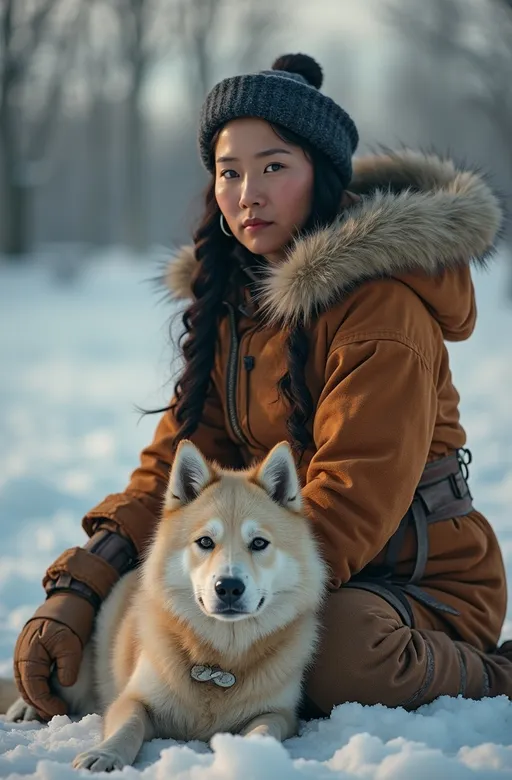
{"x":277,"y":475}
{"x":190,"y":474}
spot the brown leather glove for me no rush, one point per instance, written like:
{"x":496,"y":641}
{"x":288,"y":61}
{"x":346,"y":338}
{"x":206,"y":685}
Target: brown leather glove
{"x":52,"y":641}
{"x":54,"y":637}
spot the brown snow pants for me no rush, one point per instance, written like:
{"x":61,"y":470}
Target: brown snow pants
{"x":368,"y":654}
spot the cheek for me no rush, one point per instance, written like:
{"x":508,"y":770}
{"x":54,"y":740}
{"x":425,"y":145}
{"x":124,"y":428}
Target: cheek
{"x":292,"y":199}
{"x":265,"y":567}
{"x":227,"y":199}
{"x":176,"y":570}
{"x":287,"y":571}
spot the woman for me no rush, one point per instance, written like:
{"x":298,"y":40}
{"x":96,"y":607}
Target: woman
{"x":322,"y":298}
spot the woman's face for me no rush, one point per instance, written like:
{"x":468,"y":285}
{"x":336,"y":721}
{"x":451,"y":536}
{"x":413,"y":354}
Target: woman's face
{"x":262,"y":180}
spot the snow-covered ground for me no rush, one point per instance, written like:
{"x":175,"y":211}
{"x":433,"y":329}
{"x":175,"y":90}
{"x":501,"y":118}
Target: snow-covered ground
{"x":76,"y":358}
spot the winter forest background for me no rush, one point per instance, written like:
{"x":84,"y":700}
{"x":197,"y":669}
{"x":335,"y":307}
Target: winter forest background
{"x":99,"y":181}
{"x":99,"y":99}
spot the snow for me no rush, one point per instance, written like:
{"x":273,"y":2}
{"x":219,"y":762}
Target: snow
{"x":77,"y":356}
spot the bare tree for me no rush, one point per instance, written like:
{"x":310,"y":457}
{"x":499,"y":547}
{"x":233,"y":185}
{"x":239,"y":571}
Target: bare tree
{"x":202,"y":34}
{"x":36,"y":45}
{"x":147,"y":30}
{"x":106,"y":51}
{"x":491,"y":62}
{"x":477,"y":36}
{"x":99,"y":62}
{"x":213,"y":34}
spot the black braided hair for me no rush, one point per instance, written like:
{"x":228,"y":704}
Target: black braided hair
{"x":215,"y":263}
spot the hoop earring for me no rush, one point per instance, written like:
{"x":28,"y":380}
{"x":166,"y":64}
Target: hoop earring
{"x":223,"y":227}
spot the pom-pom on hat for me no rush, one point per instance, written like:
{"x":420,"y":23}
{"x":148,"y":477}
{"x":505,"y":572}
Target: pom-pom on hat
{"x":287,"y":95}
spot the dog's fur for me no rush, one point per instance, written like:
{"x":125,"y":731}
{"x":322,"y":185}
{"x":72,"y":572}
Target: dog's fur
{"x":165,"y":618}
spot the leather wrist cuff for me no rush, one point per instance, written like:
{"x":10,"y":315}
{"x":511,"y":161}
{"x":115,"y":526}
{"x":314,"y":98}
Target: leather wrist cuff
{"x":93,"y":570}
{"x":66,"y":584}
{"x":115,"y":548}
{"x":135,"y":517}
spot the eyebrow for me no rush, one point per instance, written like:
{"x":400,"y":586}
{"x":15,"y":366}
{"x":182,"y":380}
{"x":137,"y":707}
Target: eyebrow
{"x":264,"y":153}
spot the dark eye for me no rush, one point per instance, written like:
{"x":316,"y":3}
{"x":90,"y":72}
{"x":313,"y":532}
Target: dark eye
{"x":258,"y":544}
{"x":205,"y":543}
{"x":224,"y":174}
{"x":275,"y":166}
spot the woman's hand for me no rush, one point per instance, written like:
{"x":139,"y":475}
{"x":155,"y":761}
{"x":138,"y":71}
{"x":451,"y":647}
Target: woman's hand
{"x":52,"y":643}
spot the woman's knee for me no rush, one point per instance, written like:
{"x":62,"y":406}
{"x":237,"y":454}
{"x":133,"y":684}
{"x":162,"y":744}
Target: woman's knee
{"x":361,"y":653}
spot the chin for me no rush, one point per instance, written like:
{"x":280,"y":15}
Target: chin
{"x":260,"y":245}
{"x":231,"y":618}
{"x":224,"y":617}
{"x":232,"y":615}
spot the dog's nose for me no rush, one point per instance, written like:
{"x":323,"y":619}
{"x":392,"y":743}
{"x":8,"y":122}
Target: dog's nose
{"x":229,"y":589}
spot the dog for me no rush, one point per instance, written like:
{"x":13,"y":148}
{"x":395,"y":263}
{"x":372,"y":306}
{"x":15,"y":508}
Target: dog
{"x":216,"y":628}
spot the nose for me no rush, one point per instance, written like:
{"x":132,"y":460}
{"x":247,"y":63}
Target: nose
{"x":250,"y":195}
{"x":229,"y":589}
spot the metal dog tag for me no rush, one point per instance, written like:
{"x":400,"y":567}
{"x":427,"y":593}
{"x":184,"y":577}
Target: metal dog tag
{"x":203,"y":673}
{"x":224,"y":679}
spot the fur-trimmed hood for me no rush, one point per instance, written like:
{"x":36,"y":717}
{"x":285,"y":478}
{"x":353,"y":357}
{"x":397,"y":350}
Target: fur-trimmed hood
{"x":417,"y":216}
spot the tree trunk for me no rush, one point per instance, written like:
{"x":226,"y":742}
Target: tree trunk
{"x":15,"y":195}
{"x":18,"y":241}
{"x":98,"y":195}
{"x":135,"y":210}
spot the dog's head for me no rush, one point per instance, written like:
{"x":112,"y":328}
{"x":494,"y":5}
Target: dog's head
{"x":234,"y":545}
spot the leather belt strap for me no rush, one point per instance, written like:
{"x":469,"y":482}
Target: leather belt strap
{"x":420,"y":522}
{"x":389,"y":592}
{"x":395,"y":543}
{"x":443,"y":489}
{"x":442,"y":494}
{"x":426,"y":598}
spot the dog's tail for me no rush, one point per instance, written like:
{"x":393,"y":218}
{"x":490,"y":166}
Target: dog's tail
{"x":8,"y":694}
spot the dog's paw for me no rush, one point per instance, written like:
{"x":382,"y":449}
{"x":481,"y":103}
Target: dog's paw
{"x":20,"y":710}
{"x":99,"y":760}
{"x":263,"y":730}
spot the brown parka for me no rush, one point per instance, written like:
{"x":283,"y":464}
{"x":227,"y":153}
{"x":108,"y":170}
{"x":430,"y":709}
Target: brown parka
{"x":380,"y":292}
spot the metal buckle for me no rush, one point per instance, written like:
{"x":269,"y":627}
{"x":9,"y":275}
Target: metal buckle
{"x":465,"y":457}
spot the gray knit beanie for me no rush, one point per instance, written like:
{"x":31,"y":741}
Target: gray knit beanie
{"x":287,"y":95}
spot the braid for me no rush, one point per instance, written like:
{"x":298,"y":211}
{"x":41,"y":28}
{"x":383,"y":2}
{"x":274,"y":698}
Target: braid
{"x":293,"y":387}
{"x":201,"y":318}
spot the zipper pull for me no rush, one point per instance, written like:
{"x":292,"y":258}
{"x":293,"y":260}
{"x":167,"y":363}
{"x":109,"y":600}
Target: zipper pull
{"x":249,"y":362}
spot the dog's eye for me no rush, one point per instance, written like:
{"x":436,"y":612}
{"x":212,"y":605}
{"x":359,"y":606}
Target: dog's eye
{"x":205,"y":543}
{"x":258,"y":544}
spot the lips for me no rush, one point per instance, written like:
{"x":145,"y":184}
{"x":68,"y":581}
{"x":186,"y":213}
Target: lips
{"x":255,"y":224}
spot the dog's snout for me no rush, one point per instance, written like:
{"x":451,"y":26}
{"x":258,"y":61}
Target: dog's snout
{"x":229,"y":589}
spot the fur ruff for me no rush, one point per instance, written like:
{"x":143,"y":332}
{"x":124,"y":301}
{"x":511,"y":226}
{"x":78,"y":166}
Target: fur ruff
{"x":416,"y":213}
